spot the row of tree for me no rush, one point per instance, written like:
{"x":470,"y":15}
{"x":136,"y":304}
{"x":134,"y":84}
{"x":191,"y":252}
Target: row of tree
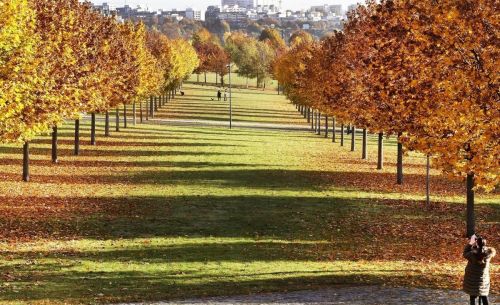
{"x":61,"y":59}
{"x":426,"y":71}
{"x":252,"y":56}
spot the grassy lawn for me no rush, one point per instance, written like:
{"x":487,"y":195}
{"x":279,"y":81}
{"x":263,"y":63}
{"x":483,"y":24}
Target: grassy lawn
{"x":162,"y":211}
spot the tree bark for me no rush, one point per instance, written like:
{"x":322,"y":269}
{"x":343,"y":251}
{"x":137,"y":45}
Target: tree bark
{"x":106,"y":124}
{"x":471,"y":221}
{"x":400,"y":161}
{"x":26,"y":162}
{"x":312,"y":119}
{"x":77,"y":137}
{"x":205,"y":78}
{"x":428,"y":182}
{"x":134,"y":114}
{"x":125,"y":123}
{"x":353,"y":138}
{"x":92,"y":129}
{"x":326,"y":126}
{"x":380,"y":157}
{"x":318,"y":123}
{"x":117,"y":123}
{"x":140,"y":112}
{"x":364,"y":154}
{"x":156,"y":103}
{"x":151,"y":107}
{"x":54,"y":144}
{"x":308,"y":114}
{"x":342,"y":134}
{"x":334,"y":135}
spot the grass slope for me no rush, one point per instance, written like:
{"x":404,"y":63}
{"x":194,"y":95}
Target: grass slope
{"x":160,"y":211}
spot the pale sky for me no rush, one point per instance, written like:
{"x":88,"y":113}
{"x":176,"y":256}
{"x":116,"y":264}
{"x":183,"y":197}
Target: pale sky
{"x":202,"y":4}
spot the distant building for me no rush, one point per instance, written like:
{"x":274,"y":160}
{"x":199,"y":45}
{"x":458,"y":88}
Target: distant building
{"x":193,"y":14}
{"x":328,"y":9}
{"x":247,"y":4}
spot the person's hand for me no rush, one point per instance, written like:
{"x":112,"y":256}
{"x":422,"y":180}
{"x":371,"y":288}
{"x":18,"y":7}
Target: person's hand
{"x":472,"y":240}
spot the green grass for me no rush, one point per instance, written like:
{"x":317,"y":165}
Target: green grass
{"x":160,"y":211}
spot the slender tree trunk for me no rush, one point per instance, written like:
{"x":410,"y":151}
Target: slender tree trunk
{"x":334,"y":134}
{"x":134,"y":114}
{"x":151,"y":107}
{"x":26,"y":162}
{"x":428,"y":182}
{"x":92,"y":129}
{"x":318,"y":123}
{"x":312,"y":119}
{"x":106,"y":124}
{"x":380,"y":157}
{"x":125,"y":123}
{"x":364,"y":154}
{"x":216,"y":79}
{"x":471,"y":219}
{"x":117,"y":123}
{"x":198,"y":78}
{"x":140,"y":112}
{"x":342,"y":134}
{"x":146,"y":109}
{"x":205,"y":78}
{"x":156,"y":103}
{"x":308,"y":114}
{"x":353,"y":138}
{"x":326,"y":126}
{"x":77,"y":137}
{"x":54,"y":144}
{"x":400,"y":161}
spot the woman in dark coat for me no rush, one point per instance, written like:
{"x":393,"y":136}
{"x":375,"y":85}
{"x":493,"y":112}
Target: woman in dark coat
{"x":477,"y":272}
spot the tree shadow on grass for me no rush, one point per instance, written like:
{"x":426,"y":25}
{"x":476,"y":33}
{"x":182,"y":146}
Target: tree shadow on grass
{"x":135,"y":286}
{"x":84,"y":151}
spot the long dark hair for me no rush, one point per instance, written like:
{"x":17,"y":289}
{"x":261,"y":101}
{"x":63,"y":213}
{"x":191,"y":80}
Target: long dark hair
{"x":481,"y":249}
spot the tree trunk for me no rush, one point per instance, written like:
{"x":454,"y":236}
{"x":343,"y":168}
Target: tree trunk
{"x":106,"y":124}
{"x":380,"y":157}
{"x":117,"y":123}
{"x":77,"y":137}
{"x":312,"y":119}
{"x":54,"y":144}
{"x":26,"y":162}
{"x":92,"y":129}
{"x":342,"y":134}
{"x":318,"y":123}
{"x":308,"y":114}
{"x":334,"y":135}
{"x":353,"y":138}
{"x":364,"y":154}
{"x":216,"y":79}
{"x":471,"y":225}
{"x":125,"y":125}
{"x":198,"y":78}
{"x":428,"y":182}
{"x":134,"y":114}
{"x":326,"y":126}
{"x":140,"y":112}
{"x":400,"y":161}
{"x":156,"y":103}
{"x":151,"y":107}
{"x":205,"y":78}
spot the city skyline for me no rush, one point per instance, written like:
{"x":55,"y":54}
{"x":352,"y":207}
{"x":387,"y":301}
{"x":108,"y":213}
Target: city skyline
{"x":203,"y":4}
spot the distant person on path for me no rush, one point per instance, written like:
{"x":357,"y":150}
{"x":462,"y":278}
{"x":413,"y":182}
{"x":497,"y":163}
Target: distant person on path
{"x":477,"y":272}
{"x":219,"y":95}
{"x":225,"y":95}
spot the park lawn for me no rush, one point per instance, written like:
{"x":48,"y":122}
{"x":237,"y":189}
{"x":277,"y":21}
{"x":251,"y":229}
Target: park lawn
{"x":162,"y":211}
